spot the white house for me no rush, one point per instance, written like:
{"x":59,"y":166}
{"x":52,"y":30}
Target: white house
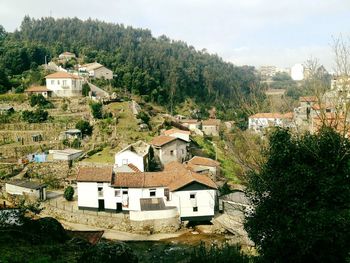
{"x":176,"y":191}
{"x":65,"y":155}
{"x":136,"y":154}
{"x":21,"y":187}
{"x":63,"y":84}
{"x":96,"y":70}
{"x":168,"y":149}
{"x":260,"y":121}
{"x":211,"y":127}
{"x":184,"y":135}
{"x":297,"y":72}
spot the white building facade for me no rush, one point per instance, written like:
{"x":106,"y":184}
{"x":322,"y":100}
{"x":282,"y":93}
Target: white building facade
{"x":63,"y":84}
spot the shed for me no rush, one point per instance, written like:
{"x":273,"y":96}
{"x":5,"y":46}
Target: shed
{"x":66,"y":154}
{"x":23,"y":187}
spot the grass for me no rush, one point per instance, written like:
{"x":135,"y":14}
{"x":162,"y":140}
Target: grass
{"x":229,"y":168}
{"x":13,"y":97}
{"x":105,"y":156}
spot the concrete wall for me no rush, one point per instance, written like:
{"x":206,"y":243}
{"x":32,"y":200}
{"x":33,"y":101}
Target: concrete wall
{"x":87,"y":194}
{"x":18,"y":190}
{"x":129,"y":157}
{"x":153,"y":215}
{"x":210,"y":130}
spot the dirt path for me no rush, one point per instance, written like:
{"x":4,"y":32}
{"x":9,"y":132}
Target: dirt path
{"x":122,"y":236}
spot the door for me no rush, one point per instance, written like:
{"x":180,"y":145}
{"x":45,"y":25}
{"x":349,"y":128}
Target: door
{"x":119,"y":207}
{"x":101,"y":205}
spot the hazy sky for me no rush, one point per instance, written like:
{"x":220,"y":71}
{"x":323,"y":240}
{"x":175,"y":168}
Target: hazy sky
{"x":253,"y":32}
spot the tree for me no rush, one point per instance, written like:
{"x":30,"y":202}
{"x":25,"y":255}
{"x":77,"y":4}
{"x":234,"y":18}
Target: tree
{"x":301,"y":197}
{"x":40,"y":101}
{"x":85,"y":89}
{"x":69,"y":193}
{"x":96,"y":109}
{"x":35,"y":116}
{"x":84,"y":127}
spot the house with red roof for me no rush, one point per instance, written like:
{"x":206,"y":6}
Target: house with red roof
{"x":177,"y":191}
{"x":64,"y":84}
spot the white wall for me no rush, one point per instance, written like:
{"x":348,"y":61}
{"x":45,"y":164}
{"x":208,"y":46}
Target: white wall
{"x":64,"y":87}
{"x":185,"y":137}
{"x":152,"y":215}
{"x":205,"y":201}
{"x":130,"y":157}
{"x":87,"y":194}
{"x":18,"y":190}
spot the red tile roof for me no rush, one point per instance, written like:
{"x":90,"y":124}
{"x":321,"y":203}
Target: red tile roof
{"x":308,"y":99}
{"x":134,"y":168}
{"x":37,"y":89}
{"x":197,"y":160}
{"x":267,"y":115}
{"x":162,"y":140}
{"x":174,"y":176}
{"x":95,"y":174}
{"x":62,"y":75}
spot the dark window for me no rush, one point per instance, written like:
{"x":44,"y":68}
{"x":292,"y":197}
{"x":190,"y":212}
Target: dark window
{"x":192,"y":196}
{"x":195,"y":209}
{"x":125,"y":192}
{"x":152,"y":192}
{"x":166,"y":194}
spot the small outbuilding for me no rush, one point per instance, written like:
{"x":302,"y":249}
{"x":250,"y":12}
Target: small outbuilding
{"x":29,"y":188}
{"x":66,"y":154}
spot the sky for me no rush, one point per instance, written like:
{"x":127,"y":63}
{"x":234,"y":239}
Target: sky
{"x":244,"y":32}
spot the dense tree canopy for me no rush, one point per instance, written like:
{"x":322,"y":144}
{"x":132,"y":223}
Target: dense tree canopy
{"x":163,"y":71}
{"x":301,"y":197}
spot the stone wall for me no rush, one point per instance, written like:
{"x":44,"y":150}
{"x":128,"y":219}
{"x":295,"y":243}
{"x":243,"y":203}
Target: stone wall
{"x":117,"y":221}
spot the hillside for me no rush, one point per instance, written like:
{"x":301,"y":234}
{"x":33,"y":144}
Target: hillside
{"x":161,"y":70}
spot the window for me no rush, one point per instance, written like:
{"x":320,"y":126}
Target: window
{"x":195,"y":209}
{"x":125,"y":161}
{"x":192,"y":196}
{"x":152,"y":192}
{"x":100,"y":191}
{"x":125,"y":192}
{"x":117,"y":193}
{"x":64,"y":82}
{"x":166,"y":194}
{"x":52,"y":82}
{"x":58,"y":82}
{"x":171,"y":152}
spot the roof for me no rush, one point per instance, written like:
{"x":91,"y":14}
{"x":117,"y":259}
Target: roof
{"x":67,"y":53}
{"x":37,"y":89}
{"x":308,"y":99}
{"x":192,"y":121}
{"x":95,"y":174}
{"x":62,"y":75}
{"x":198,"y":160}
{"x":92,"y":66}
{"x":140,"y":147}
{"x":288,"y":115}
{"x":267,"y":115}
{"x":27,"y":184}
{"x":211,"y":122}
{"x":162,"y":140}
{"x":66,"y":151}
{"x":172,"y":131}
{"x":174,"y":176}
{"x":72,"y":131}
{"x":134,"y":168}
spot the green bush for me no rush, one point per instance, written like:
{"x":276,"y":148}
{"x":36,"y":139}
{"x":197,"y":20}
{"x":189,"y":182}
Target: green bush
{"x":96,"y":110}
{"x":85,"y":89}
{"x":84,"y":127}
{"x":40,"y":101}
{"x":36,"y":116}
{"x":13,"y":97}
{"x":69,"y":193}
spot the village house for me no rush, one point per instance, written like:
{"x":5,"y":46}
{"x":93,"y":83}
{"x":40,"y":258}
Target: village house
{"x":167,"y":149}
{"x":136,"y":154}
{"x":45,"y":92}
{"x":63,"y":84}
{"x":26,"y":188}
{"x":261,"y":121}
{"x":96,"y":70}
{"x":176,"y":191}
{"x":66,"y":56}
{"x":184,"y":135}
{"x":192,"y":125}
{"x":204,"y":165}
{"x":65,"y":155}
{"x":70,"y":134}
{"x":211,"y":127}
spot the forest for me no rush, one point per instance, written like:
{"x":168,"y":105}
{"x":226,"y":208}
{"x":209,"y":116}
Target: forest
{"x":159,"y":69}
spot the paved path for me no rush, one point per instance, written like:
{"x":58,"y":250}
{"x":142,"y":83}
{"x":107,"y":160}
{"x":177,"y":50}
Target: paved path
{"x":119,"y":235}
